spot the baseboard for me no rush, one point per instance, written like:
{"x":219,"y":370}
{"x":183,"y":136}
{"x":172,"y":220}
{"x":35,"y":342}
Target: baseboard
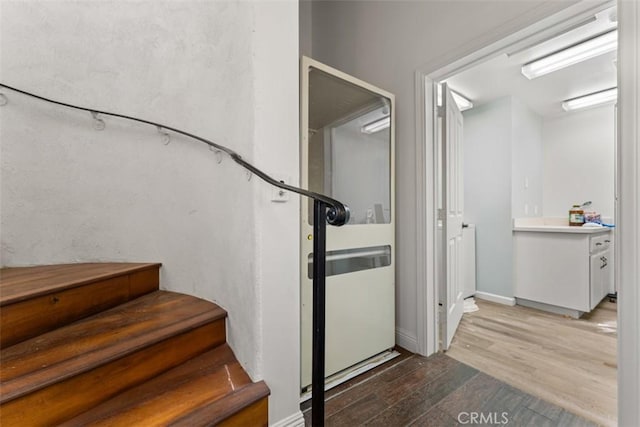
{"x":576,"y":314}
{"x":293,"y":420}
{"x":407,"y":341}
{"x":495,"y":298}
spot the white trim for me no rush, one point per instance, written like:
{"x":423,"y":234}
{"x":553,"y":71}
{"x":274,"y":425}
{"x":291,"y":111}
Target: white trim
{"x":629,"y":203}
{"x":499,"y":299}
{"x":406,"y":340}
{"x":426,"y":297}
{"x":294,"y":420}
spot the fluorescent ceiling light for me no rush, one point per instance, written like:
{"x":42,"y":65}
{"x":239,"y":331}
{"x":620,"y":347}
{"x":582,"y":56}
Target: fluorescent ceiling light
{"x":591,"y":100}
{"x":463,"y":103}
{"x":377,"y":125}
{"x":591,"y":48}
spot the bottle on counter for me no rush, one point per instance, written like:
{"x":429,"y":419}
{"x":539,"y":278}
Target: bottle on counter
{"x":576,"y":216}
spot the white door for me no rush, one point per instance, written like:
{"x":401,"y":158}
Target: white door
{"x":451,"y":215}
{"x":347,"y":153}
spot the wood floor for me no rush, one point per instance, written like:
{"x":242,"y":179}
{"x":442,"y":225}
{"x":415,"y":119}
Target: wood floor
{"x":437,"y":391}
{"x":570,"y":362}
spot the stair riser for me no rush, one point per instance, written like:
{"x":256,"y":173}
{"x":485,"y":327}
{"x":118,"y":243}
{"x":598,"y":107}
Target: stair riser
{"x":66,"y":399}
{"x":26,"y":319}
{"x":256,"y":415}
{"x":246,"y":406}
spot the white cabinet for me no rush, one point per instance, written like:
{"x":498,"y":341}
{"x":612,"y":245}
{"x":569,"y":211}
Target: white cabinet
{"x":600,"y":269}
{"x":564,"y":271}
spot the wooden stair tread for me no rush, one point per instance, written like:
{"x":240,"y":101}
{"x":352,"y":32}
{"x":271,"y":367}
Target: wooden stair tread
{"x":94,"y":341}
{"x":98,"y":344}
{"x":175,"y":394}
{"x":20,"y":283}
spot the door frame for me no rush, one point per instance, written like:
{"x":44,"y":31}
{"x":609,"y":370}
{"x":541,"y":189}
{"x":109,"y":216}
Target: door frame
{"x":627,"y":175}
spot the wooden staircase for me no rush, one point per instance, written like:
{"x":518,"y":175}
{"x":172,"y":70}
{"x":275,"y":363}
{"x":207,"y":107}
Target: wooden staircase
{"x":99,"y":344}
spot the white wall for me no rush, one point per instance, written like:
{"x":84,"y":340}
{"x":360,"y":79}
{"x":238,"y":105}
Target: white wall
{"x":526,"y":161}
{"x":579,"y":161}
{"x":223,"y":70}
{"x":502,"y":150}
{"x":385,"y":43}
{"x":487,"y":192}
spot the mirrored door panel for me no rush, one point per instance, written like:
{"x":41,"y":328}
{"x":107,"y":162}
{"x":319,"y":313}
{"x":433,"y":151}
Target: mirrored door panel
{"x":347,"y":153}
{"x":350,"y":147}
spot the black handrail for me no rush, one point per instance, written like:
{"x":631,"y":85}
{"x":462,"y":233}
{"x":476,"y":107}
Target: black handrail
{"x":338,"y":213}
{"x":326,"y":210}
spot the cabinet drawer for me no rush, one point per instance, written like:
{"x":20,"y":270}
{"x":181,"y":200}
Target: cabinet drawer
{"x":600,"y":242}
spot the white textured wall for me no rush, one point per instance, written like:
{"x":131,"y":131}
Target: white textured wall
{"x":384,"y":43}
{"x":223,"y":70}
{"x":487,"y":192}
{"x":579,"y":161}
{"x":276,"y":150}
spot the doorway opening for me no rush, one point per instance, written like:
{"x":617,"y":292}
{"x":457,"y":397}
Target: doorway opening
{"x":526,"y":161}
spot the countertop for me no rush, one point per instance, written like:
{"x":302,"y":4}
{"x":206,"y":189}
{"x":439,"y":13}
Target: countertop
{"x":553,"y":225}
{"x":562,"y":229}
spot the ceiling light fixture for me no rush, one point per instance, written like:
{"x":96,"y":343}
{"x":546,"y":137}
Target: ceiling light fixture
{"x":377,"y":125}
{"x":588,"y":49}
{"x":591,"y":100}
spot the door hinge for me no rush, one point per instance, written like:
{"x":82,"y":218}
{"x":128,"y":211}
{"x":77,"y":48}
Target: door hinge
{"x":441,"y":215}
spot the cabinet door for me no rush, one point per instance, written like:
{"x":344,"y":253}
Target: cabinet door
{"x":600,"y":278}
{"x":607,"y":273}
{"x":595,"y":284}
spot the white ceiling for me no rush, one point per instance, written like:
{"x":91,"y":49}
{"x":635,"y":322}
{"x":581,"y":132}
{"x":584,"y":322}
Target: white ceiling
{"x":501,"y":76}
